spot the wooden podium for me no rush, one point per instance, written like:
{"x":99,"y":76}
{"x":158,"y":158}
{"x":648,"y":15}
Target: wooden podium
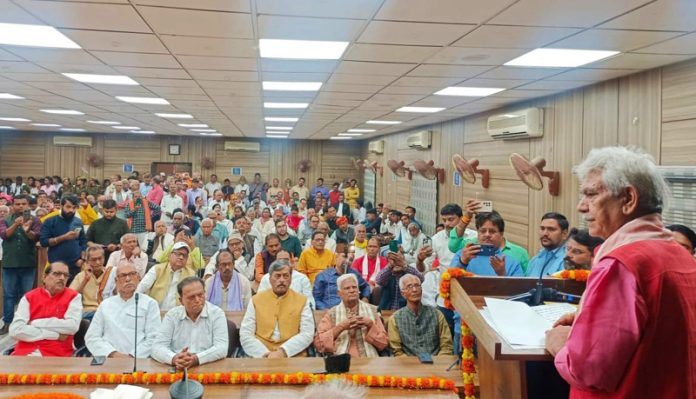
{"x":501,"y":369}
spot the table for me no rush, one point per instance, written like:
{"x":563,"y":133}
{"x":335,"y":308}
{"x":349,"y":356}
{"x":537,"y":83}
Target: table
{"x":396,"y":366}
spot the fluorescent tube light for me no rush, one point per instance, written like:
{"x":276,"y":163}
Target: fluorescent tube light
{"x":422,"y":110}
{"x":126,"y":127}
{"x":14,"y":119}
{"x":559,"y":58}
{"x":286,"y":105}
{"x":292,"y":86}
{"x":62,"y":111}
{"x":175,"y":116}
{"x":102,"y":79}
{"x":278,"y":128}
{"x":468,"y":91}
{"x":70,"y":129}
{"x":104,"y":122}
{"x":301,"y":49}
{"x":361,"y":130}
{"x":34,"y":36}
{"x":45,"y":125}
{"x":143,"y":100}
{"x":383,"y":122}
{"x":8,"y":96}
{"x":193,"y":125}
{"x":279,"y":119}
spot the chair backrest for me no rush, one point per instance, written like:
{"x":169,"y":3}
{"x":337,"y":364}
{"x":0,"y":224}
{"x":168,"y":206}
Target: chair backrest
{"x":233,"y":334}
{"x":79,"y":339}
{"x":376,"y":295}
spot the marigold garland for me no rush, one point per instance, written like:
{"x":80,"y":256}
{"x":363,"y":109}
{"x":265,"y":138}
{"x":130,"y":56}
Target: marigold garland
{"x":577,"y":275}
{"x":228,"y":378}
{"x":445,"y":286}
{"x":468,"y":368}
{"x":47,"y":395}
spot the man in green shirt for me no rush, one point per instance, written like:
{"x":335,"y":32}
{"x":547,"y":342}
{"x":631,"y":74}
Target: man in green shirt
{"x":108,"y":230}
{"x":288,"y":242}
{"x":458,"y":237}
{"x":19,"y":233}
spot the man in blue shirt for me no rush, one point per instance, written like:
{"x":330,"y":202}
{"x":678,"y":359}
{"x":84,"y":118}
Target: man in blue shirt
{"x":325,"y":289}
{"x":319,"y":188}
{"x":490,"y":227}
{"x":553,"y":233}
{"x":64,"y":236}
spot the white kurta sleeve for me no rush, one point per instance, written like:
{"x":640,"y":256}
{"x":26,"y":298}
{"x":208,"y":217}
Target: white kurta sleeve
{"x":304,"y":338}
{"x":21,"y":330}
{"x":152,"y":326}
{"x":94,"y":339}
{"x":221,"y":339}
{"x":70,"y":322}
{"x":247,"y":334}
{"x":147,"y":282}
{"x":161,"y":350}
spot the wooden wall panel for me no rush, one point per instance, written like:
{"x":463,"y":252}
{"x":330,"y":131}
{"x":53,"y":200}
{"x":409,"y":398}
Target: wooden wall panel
{"x":679,"y":143}
{"x":22,"y":154}
{"x":601,"y":113}
{"x":639,"y":111}
{"x":679,"y":91}
{"x":136,"y":150}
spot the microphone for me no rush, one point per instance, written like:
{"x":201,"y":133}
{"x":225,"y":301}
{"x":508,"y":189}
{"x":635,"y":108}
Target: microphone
{"x":135,"y":343}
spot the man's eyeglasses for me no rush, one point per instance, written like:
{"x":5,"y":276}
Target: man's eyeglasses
{"x":127,"y":275}
{"x":60,"y":274}
{"x":180,"y":254}
{"x":411,"y":287}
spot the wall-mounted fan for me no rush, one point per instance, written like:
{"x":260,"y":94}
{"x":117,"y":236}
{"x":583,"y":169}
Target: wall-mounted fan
{"x":358,"y":164}
{"x":429,"y":171}
{"x":469,"y":169}
{"x":304,"y":165}
{"x":400,"y":169}
{"x":532,"y":173}
{"x":374,"y":167}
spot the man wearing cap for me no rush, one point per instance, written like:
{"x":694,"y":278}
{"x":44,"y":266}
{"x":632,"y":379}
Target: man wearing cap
{"x":161,"y":280}
{"x":235,"y":245}
{"x":345,"y":233}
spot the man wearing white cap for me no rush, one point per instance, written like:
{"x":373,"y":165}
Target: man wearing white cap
{"x":161,"y":280}
{"x":235,"y":245}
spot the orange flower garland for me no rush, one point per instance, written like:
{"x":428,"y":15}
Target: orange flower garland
{"x":226,"y":378}
{"x":48,"y":395}
{"x":445,"y":278}
{"x":577,"y":275}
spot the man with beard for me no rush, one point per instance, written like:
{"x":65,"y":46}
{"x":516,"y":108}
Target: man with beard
{"x":64,"y":236}
{"x":265,"y":258}
{"x":580,"y":249}
{"x":553,"y":233}
{"x":108,"y":230}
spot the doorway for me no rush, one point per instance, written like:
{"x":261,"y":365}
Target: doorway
{"x":170,"y":168}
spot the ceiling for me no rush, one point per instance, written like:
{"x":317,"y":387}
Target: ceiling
{"x":202,"y":56}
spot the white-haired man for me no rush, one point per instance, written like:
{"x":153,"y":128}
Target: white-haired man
{"x":634,"y":334}
{"x":352,"y":326}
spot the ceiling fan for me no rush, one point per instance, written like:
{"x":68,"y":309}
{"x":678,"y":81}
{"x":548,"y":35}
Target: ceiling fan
{"x":469,"y":169}
{"x":532,"y":173}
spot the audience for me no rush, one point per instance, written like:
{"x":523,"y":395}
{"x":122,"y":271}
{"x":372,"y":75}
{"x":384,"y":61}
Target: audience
{"x":317,"y":258}
{"x":227,"y":289}
{"x":284,"y":324}
{"x":371,"y":263}
{"x":194,"y":332}
{"x":325,"y":289}
{"x":91,"y":281}
{"x":388,"y":279}
{"x":298,"y":281}
{"x":580,"y":249}
{"x":288,"y":241}
{"x":108,"y":230}
{"x":684,"y":236}
{"x":553,"y":233}
{"x":112,"y":330}
{"x":161,"y":280}
{"x":158,"y":240}
{"x":64,"y":236}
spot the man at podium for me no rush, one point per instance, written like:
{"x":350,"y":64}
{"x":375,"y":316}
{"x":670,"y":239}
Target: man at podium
{"x":633,"y":335}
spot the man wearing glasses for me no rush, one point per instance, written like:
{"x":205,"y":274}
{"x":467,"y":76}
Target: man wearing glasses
{"x":47,"y":318}
{"x":91,"y":281}
{"x":161,"y":280}
{"x":111,"y":332}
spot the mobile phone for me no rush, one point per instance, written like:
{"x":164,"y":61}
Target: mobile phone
{"x":425,"y":358}
{"x":26,"y":215}
{"x":77,"y":230}
{"x":393,"y":246}
{"x":486,"y":206}
{"x":98,"y":360}
{"x":427,"y":242}
{"x":488,"y":250}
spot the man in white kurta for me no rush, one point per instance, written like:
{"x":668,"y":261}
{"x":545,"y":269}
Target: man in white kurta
{"x":112,"y":331}
{"x":194,"y":333}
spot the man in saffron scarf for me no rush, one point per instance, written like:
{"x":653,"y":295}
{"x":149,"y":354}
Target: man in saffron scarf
{"x":227,"y":289}
{"x":634,"y":334}
{"x":352,"y":326}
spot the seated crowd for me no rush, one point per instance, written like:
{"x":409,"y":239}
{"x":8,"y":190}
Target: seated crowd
{"x":175,"y":254}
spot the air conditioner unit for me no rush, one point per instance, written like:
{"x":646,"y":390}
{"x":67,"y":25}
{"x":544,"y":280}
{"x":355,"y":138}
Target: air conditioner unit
{"x":73,"y":141}
{"x":517,"y":125}
{"x":420,"y":140}
{"x":376,"y":147}
{"x":245,"y":146}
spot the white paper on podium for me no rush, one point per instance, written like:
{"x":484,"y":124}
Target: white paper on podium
{"x":521,"y":325}
{"x":122,"y":391}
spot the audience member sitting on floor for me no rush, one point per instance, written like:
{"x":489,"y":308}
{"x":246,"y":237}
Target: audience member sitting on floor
{"x":161,"y":280}
{"x":325,"y":289}
{"x":317,"y":258}
{"x":48,"y":317}
{"x":227,"y":288}
{"x":417,"y":328}
{"x":111,"y":332}
{"x":352,"y":326}
{"x":553,"y":233}
{"x":298,"y":281}
{"x":193,"y":333}
{"x":580,"y":249}
{"x":490,"y":227}
{"x":284,"y":324}
{"x":388,"y":279}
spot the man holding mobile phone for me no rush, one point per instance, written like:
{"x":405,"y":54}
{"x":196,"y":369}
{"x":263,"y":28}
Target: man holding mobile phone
{"x":64,"y":236}
{"x":486,"y":258}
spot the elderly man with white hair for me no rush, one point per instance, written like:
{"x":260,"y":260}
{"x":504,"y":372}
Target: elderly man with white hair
{"x":417,"y":328}
{"x":412,"y":242}
{"x":352,"y":326}
{"x":633,"y":335}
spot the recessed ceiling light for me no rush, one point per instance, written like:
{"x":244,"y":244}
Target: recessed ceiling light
{"x":340,"y":138}
{"x":62,"y":112}
{"x":559,"y":58}
{"x":175,"y":116}
{"x":193,"y":125}
{"x":350,"y":134}
{"x":104,"y":122}
{"x":34,"y":35}
{"x":274,"y":132}
{"x":45,"y":125}
{"x":71,"y":129}
{"x":102,"y":79}
{"x":143,"y":100}
{"x":301,"y":49}
{"x":126,"y":127}
{"x":279,"y":119}
{"x":210,"y":134}
{"x":292,"y":86}
{"x":286,"y":105}
{"x":143,"y":131}
{"x":422,"y":110}
{"x":361,"y":130}
{"x":383,"y":122}
{"x":468,"y":91}
{"x":15,"y":120}
{"x":7,"y":128}
{"x":204,"y":130}
{"x":278,"y":128}
{"x":275,"y":136}
{"x":8,"y":96}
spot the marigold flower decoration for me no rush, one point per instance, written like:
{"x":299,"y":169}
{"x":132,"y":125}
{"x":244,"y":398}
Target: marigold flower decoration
{"x":577,"y":275}
{"x":445,"y":286}
{"x":225,"y":378}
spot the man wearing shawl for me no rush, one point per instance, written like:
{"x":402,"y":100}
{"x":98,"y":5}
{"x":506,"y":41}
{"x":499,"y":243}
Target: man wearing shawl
{"x":227,"y":289}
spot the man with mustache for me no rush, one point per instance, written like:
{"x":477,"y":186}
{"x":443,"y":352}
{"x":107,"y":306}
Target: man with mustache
{"x":580,"y":249}
{"x":553,"y":233}
{"x":64,"y":236}
{"x":284,"y":324}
